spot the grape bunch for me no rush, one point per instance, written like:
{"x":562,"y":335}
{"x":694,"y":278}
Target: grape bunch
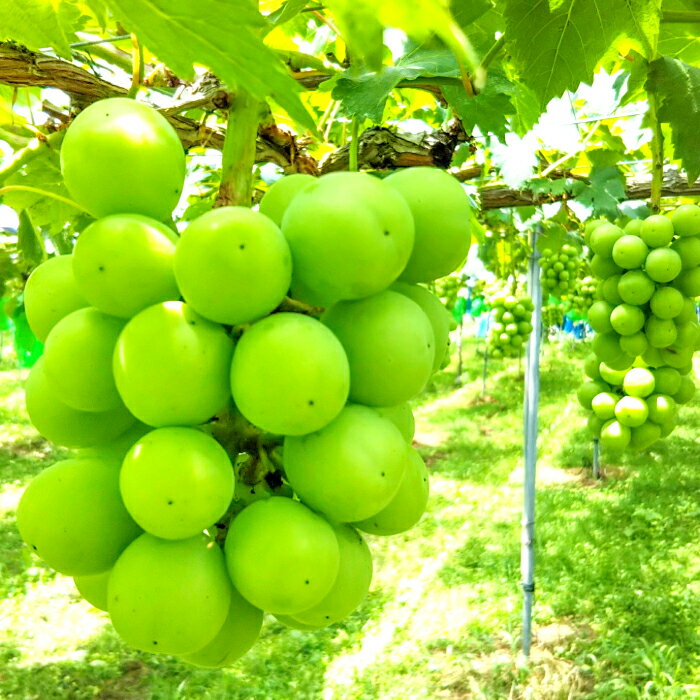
{"x":553,"y":315}
{"x":560,"y":270}
{"x":510,"y":324}
{"x":584,"y":294}
{"x":448,"y":288}
{"x":646,"y":326}
{"x":231,"y":443}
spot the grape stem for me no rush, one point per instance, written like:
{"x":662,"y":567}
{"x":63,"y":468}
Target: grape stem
{"x":238,"y":153}
{"x":137,"y":69}
{"x":299,"y":307}
{"x":657,"y":154}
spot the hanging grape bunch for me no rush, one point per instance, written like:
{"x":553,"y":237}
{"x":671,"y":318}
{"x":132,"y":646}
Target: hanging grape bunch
{"x":584,"y":294}
{"x":560,"y":270}
{"x":510,"y":325}
{"x":229,"y":452}
{"x":646,"y":326}
{"x":553,"y":315}
{"x":447,"y":289}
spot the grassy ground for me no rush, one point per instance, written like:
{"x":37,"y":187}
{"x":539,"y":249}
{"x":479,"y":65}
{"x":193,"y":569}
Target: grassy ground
{"x":618,"y":574}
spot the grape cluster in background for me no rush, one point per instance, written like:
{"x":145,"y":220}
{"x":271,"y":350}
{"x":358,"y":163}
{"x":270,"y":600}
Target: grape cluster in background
{"x":560,"y":269}
{"x":510,"y":324}
{"x":646,"y":326}
{"x":232,"y":439}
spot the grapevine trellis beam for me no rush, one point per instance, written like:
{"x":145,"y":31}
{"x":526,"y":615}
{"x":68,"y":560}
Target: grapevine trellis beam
{"x":382,"y":149}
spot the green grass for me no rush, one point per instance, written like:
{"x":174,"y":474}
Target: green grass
{"x":618,"y":573}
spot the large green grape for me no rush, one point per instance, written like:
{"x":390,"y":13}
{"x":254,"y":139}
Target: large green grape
{"x":350,"y":469}
{"x":124,"y":263}
{"x":169,"y":596}
{"x":350,"y":234}
{"x":67,"y":426}
{"x":176,"y":481}
{"x":442,"y":214}
{"x":72,"y":516}
{"x":401,"y":416}
{"x":78,"y":360}
{"x":93,"y":588}
{"x":233,"y":265}
{"x":390,"y":345}
{"x":50,"y":294}
{"x":277,"y":199}
{"x":239,"y":632}
{"x":121,"y":156}
{"x":289,"y":374}
{"x":437,"y":315}
{"x":282,"y":557}
{"x":172,"y":366}
{"x":407,"y":506}
{"x":351,"y":584}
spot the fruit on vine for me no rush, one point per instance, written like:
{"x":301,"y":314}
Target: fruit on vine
{"x":686,"y":220}
{"x":171,"y":366}
{"x":233,"y":265}
{"x":124,"y":263}
{"x":176,"y":482}
{"x":390,"y":346}
{"x":93,"y":588}
{"x":282,"y":557}
{"x":290,"y":374}
{"x":120,"y":156}
{"x":51,"y":293}
{"x":169,"y":596}
{"x":350,"y":234}
{"x":72,"y":516}
{"x":352,"y":468}
{"x":442,"y":214}
{"x":277,"y":199}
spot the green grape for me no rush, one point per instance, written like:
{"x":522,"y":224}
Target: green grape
{"x":606,"y":346}
{"x":631,"y":411}
{"x":176,"y":481}
{"x":277,"y":199}
{"x":604,"y":267}
{"x":589,"y":390}
{"x":66,"y":426}
{"x":689,"y":251}
{"x":689,"y":282}
{"x":121,"y":156}
{"x":237,"y":635}
{"x":599,"y":316}
{"x":615,"y":435}
{"x":78,"y":360}
{"x":603,"y":405}
{"x":124,"y":263}
{"x":666,"y":302}
{"x":629,"y":252}
{"x":72,"y":516}
{"x":116,"y":448}
{"x":292,"y":623}
{"x":350,"y":469}
{"x":639,"y":382}
{"x":633,"y":227}
{"x":687,"y":313}
{"x":93,"y":588}
{"x":289,"y":374}
{"x":686,"y":220}
{"x":686,"y":390}
{"x":436,"y":313}
{"x":603,"y":239}
{"x":663,"y":265}
{"x":171,"y":366}
{"x":169,"y":596}
{"x":660,"y":332}
{"x":667,"y":380}
{"x":233,"y":265}
{"x":282,"y":557}
{"x":407,"y":506}
{"x":627,"y":319}
{"x":644,"y":436}
{"x":350,"y":235}
{"x":401,"y":416}
{"x":442,"y":214}
{"x":390,"y":346}
{"x":662,"y":408}
{"x":592,"y":367}
{"x":351,"y":584}
{"x":610,"y":292}
{"x":634,"y":344}
{"x":50,"y":294}
{"x":656,"y":231}
{"x":635,"y":287}
{"x":595,"y":425}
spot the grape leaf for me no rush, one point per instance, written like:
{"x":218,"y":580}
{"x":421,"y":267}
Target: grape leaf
{"x":289,"y":10}
{"x":39,"y":24}
{"x":677,"y":85}
{"x":29,"y":242}
{"x":222,"y":35}
{"x":604,"y":191}
{"x":467,"y":11}
{"x":556,"y":46}
{"x":486,"y":110}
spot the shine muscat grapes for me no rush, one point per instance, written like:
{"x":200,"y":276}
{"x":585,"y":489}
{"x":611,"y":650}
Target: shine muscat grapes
{"x":646,"y":326}
{"x":236,"y":396}
{"x":510,"y":324}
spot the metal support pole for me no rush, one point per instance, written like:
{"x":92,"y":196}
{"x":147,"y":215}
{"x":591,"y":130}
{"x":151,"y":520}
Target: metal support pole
{"x":596,"y":458}
{"x":460,"y":366}
{"x":531,"y":402}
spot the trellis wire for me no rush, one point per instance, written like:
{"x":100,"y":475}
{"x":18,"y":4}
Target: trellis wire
{"x":531,"y":403}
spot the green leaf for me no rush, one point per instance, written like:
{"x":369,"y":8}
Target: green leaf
{"x":29,"y":241}
{"x":677,"y":85}
{"x":557,"y":45}
{"x":361,"y":29}
{"x":39,"y":24}
{"x":467,"y":11}
{"x":603,"y":157}
{"x":527,"y":109}
{"x":288,"y":11}
{"x":637,"y":72}
{"x":223,"y":35}
{"x":488,"y":109}
{"x":604,"y":191}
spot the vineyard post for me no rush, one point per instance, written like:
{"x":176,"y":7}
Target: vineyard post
{"x":596,"y":458}
{"x":531,"y":403}
{"x":460,"y":368}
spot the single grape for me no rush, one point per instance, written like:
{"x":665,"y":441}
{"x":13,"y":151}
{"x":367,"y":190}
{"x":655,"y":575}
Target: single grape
{"x":93,"y":588}
{"x":277,"y":199}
